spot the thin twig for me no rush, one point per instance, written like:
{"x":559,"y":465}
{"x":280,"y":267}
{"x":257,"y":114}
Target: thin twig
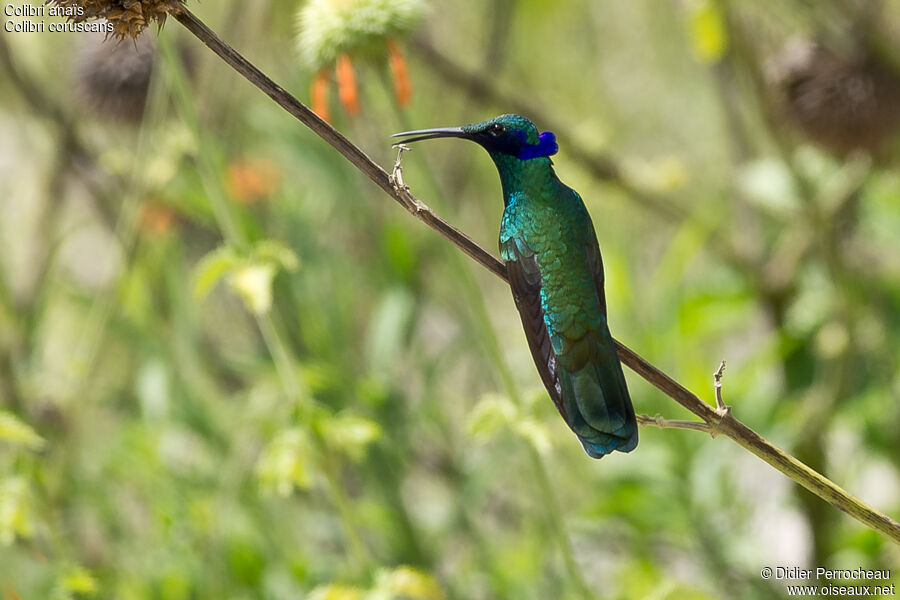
{"x":659,"y":421}
{"x":711,"y":428}
{"x":727,"y":424}
{"x":717,"y":386}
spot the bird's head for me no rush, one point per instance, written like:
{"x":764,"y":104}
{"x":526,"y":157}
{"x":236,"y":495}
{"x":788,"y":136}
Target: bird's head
{"x":511,"y":135}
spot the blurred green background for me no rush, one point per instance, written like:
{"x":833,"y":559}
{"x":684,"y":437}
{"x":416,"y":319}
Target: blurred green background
{"x":231,"y":367}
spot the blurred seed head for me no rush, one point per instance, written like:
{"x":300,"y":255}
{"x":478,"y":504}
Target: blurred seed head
{"x":843,"y":102}
{"x":128,"y":17}
{"x":113,"y":78}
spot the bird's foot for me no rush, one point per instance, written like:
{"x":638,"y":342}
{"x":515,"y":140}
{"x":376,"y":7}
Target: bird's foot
{"x":396,"y":175}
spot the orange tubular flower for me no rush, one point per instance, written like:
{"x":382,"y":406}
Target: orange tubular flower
{"x":254,"y":180}
{"x":319,"y":95}
{"x":346,"y":79}
{"x":156,"y":219}
{"x":341,"y":34}
{"x":400,"y":71}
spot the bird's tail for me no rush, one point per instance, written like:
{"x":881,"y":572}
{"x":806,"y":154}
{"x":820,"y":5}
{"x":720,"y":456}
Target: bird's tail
{"x":596,"y":401}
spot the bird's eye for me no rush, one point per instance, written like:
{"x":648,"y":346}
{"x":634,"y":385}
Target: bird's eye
{"x":497,"y":129}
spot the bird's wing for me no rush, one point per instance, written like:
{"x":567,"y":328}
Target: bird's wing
{"x":595,"y":264}
{"x":525,"y":281}
{"x":609,"y":371}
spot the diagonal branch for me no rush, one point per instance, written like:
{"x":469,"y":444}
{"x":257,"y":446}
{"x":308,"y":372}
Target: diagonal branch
{"x":722,"y":421}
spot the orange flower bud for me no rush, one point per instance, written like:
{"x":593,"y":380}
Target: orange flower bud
{"x":400,"y":71}
{"x":155,"y":218}
{"x":319,"y":95}
{"x":346,"y":79}
{"x":250,"y":181}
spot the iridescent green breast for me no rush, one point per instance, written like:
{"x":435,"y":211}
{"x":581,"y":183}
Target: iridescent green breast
{"x":553,"y":226}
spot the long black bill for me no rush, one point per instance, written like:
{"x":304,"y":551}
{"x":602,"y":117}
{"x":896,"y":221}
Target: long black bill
{"x":428,"y":134}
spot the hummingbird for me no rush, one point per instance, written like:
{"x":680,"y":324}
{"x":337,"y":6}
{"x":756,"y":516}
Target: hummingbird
{"x":553,"y":262}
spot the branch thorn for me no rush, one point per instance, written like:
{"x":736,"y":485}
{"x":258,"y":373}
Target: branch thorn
{"x":722,"y":409}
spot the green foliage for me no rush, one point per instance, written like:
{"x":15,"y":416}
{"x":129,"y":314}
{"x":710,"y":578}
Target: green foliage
{"x":350,"y":434}
{"x":248,"y":274}
{"x":402,"y":583}
{"x":16,"y":510}
{"x":286,"y":462}
{"x":18,"y":433}
{"x":311,"y":395}
{"x":495,"y":413}
{"x":78,"y":583}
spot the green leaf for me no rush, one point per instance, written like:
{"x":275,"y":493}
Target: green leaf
{"x":408,"y":583}
{"x":277,"y":253}
{"x":535,"y":433}
{"x":350,"y":434}
{"x":286,"y":462}
{"x":335,"y":591}
{"x":492,"y":413}
{"x":387,"y":329}
{"x":152,"y":389}
{"x":16,"y":512}
{"x":79,"y":581}
{"x":212,"y":268}
{"x":250,"y":276}
{"x":17,"y":432}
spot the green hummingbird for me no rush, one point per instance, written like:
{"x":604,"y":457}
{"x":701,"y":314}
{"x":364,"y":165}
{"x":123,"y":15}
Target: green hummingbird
{"x":555,"y":271}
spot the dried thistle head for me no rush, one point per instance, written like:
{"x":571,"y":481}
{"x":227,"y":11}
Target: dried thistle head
{"x":843,"y":102}
{"x":128,"y":17}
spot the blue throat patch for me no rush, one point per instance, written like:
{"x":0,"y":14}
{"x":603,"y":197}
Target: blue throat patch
{"x":547,"y":146}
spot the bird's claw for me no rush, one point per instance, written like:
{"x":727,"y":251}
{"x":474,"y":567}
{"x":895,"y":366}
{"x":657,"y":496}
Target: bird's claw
{"x":396,"y":175}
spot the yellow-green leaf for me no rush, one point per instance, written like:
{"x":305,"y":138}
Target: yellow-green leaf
{"x":211,"y":268}
{"x":350,"y":434}
{"x":79,"y":581}
{"x":491,"y":414}
{"x":335,"y":591}
{"x":706,"y":26}
{"x":15,"y":510}
{"x":407,"y":583}
{"x":286,"y":462}
{"x":16,"y":431}
{"x":276,"y":252}
{"x":535,"y":433}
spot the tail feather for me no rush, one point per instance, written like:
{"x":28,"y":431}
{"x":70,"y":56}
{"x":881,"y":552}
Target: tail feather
{"x":597,"y":405}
